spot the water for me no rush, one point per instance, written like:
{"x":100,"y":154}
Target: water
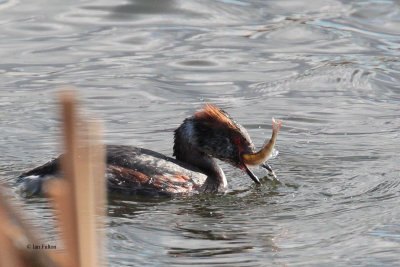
{"x":329,"y":69}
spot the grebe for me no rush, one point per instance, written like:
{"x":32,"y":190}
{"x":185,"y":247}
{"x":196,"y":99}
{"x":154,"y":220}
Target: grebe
{"x":210,"y":133}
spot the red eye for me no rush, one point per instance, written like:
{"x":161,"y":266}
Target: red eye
{"x":237,"y":140}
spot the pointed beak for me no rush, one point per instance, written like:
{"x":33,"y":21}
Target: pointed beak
{"x":266,"y":166}
{"x":250,"y":173}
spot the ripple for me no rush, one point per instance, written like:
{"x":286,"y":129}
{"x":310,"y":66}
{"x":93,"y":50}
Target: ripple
{"x":8,"y":3}
{"x":329,"y":69}
{"x":324,"y":82}
{"x":386,"y":19}
{"x":198,"y":63}
{"x":388,"y":232}
{"x":384,"y":191}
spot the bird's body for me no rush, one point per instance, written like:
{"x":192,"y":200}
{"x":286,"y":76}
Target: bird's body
{"x":132,"y":170}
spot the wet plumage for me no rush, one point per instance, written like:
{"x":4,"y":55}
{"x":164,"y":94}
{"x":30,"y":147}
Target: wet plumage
{"x":210,"y":133}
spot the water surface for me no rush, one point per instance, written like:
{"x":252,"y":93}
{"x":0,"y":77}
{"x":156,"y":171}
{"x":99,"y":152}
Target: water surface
{"x":329,"y":69}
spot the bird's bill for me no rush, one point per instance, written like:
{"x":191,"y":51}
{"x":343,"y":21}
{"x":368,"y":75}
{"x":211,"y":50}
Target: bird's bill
{"x":250,"y":173}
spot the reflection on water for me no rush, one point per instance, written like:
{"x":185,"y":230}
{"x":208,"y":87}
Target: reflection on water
{"x":329,"y":69}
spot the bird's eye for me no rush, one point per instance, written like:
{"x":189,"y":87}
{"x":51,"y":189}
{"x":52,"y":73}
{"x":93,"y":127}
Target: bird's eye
{"x":236,"y":140}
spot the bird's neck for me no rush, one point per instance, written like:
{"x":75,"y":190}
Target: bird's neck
{"x":184,"y":150}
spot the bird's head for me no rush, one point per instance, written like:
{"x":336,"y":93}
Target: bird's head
{"x":213,"y":132}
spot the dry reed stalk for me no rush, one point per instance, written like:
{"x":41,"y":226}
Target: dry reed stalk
{"x":9,"y":254}
{"x":80,"y":200}
{"x":83,"y":166}
{"x":59,"y":191}
{"x":97,"y":158}
{"x":16,"y":234}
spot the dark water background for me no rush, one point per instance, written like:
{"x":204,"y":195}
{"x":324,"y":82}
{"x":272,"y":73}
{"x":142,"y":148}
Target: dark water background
{"x":329,"y":69}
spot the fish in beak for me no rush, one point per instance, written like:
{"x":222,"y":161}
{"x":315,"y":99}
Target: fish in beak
{"x":261,"y":156}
